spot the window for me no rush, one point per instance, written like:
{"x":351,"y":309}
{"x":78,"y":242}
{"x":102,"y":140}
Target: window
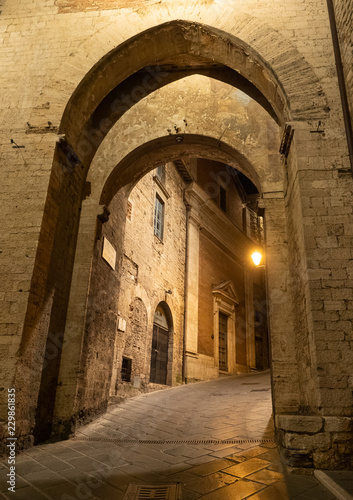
{"x":222,"y":199}
{"x":160,"y":172}
{"x":126,"y":370}
{"x":158,"y":217}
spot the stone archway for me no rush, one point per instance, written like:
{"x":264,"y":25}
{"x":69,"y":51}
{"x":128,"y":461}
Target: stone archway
{"x":146,"y":63}
{"x":81,"y":118}
{"x":115,"y":192}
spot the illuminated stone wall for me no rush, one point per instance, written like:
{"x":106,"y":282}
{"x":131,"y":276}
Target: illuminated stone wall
{"x":60,"y":52}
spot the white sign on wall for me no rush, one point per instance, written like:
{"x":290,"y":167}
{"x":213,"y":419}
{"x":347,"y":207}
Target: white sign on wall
{"x":109,"y":253}
{"x":121,"y":325}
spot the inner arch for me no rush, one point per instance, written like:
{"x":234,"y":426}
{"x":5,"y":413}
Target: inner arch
{"x":146,"y":157}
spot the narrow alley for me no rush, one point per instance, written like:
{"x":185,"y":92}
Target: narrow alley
{"x":214,"y":438}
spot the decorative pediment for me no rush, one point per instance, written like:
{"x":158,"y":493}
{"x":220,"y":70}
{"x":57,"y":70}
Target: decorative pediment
{"x":227,"y":291}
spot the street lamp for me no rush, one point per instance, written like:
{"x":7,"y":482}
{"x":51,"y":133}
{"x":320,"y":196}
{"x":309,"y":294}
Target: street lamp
{"x":257,"y":258}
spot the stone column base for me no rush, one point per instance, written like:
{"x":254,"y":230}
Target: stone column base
{"x":200,"y":367}
{"x":315,"y":441}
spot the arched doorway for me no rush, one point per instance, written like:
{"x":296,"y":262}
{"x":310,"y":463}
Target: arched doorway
{"x":162,"y":346}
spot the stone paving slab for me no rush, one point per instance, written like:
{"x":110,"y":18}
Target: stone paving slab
{"x":224,"y":452}
{"x":212,"y":482}
{"x":248,"y":467}
{"x":277,"y":491}
{"x":27,"y":493}
{"x":210,"y":468}
{"x":177,"y":421}
{"x":239,"y":489}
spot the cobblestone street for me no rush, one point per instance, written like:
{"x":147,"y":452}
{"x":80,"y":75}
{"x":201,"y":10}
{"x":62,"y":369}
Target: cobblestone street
{"x":215,"y":438}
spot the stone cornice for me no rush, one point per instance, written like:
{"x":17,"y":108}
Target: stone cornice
{"x":161,"y":186}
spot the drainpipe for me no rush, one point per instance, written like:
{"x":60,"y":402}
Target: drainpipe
{"x":187,"y":208}
{"x":341,"y":80}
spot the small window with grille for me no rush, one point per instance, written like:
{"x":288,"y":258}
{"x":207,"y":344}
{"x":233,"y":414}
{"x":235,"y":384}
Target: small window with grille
{"x":126,"y":370}
{"x":159,"y":217}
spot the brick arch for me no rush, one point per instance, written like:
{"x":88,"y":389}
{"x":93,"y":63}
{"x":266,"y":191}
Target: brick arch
{"x":291,"y":90}
{"x":168,"y":312}
{"x":146,"y":157}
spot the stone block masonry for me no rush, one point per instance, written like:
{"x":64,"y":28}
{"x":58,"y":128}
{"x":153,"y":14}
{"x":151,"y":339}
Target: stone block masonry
{"x":151,"y":267}
{"x":60,"y":65}
{"x":344,"y":19}
{"x":319,"y":442}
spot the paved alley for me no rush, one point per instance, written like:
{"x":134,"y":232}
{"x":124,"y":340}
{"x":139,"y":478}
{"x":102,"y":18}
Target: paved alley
{"x":214,"y":438}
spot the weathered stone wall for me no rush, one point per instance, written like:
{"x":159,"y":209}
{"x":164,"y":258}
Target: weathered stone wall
{"x":39,"y":356}
{"x":210,"y":176}
{"x":152,"y":267}
{"x":285,"y":384}
{"x":299,"y":280}
{"x":217,"y":266}
{"x":344,"y":20}
{"x":262,"y":351}
{"x":320,"y":253}
{"x":47,"y":53}
{"x":91,"y":377}
{"x":133,"y":344}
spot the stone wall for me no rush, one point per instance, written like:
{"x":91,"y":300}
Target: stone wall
{"x":262,"y":351}
{"x":211,"y":175}
{"x":90,"y":373}
{"x":315,"y":441}
{"x":216,"y":266}
{"x":320,"y":253}
{"x":150,"y":268}
{"x":216,"y":263}
{"x":344,"y":20}
{"x":48,"y":50}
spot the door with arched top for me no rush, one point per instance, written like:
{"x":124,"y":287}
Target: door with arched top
{"x":160,"y":347}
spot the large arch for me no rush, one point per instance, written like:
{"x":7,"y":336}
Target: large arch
{"x":72,"y":398}
{"x":153,"y":59}
{"x":283,"y":96}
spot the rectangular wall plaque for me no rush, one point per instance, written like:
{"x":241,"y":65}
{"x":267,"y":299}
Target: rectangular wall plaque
{"x":109,"y":253}
{"x":121,"y":325}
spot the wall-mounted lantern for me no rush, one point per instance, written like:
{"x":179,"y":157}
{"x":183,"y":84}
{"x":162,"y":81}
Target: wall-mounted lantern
{"x":257,"y":258}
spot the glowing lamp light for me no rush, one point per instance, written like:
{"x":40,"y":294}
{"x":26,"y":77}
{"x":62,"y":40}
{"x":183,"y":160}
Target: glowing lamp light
{"x":256,"y":257}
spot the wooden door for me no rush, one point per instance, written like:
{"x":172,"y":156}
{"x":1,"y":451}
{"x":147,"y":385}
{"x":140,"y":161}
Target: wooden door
{"x":159,"y":355}
{"x":223,"y":342}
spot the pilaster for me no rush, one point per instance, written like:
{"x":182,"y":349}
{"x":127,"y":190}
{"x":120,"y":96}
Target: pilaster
{"x":192,"y":283}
